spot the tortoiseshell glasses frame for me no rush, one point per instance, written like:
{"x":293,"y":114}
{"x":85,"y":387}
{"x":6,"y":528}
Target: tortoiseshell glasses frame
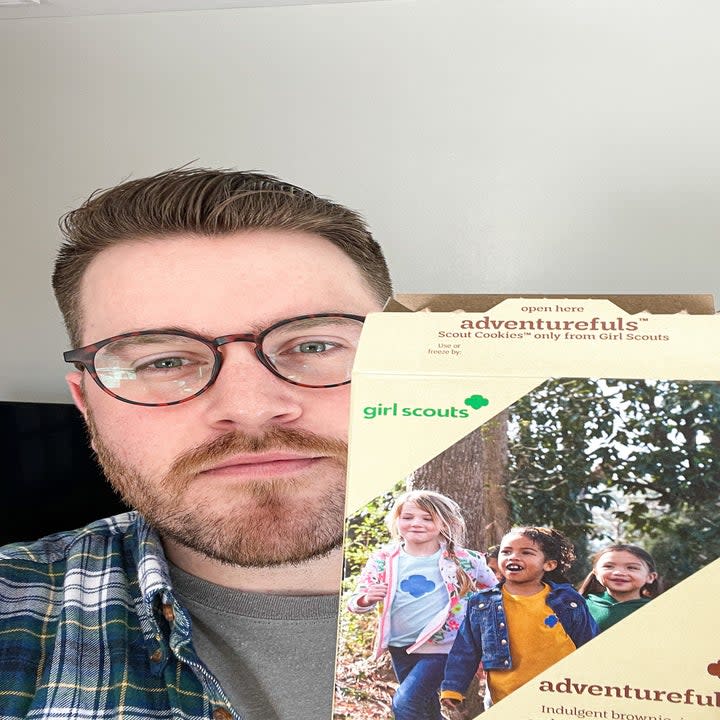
{"x":318,"y":355}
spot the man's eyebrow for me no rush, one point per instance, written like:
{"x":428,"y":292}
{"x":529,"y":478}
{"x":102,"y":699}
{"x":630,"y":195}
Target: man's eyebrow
{"x":135,"y":338}
{"x":252,"y":329}
{"x":168,"y":330}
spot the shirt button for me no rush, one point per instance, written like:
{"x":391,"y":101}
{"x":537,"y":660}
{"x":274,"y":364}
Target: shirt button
{"x":507,"y":662}
{"x":156,"y":656}
{"x":502,"y":625}
{"x":573,"y":604}
{"x":503,"y":642}
{"x":168,"y":613}
{"x":481,"y":605}
{"x":222,"y":713}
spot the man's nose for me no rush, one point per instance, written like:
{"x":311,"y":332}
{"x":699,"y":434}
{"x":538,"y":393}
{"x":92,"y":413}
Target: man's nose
{"x":246,"y":395}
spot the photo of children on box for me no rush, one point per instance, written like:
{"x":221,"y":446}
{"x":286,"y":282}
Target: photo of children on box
{"x":588,"y":496}
{"x":422,"y":579}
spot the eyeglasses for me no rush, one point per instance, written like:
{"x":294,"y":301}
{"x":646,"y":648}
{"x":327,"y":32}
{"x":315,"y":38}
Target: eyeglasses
{"x":167,"y":367}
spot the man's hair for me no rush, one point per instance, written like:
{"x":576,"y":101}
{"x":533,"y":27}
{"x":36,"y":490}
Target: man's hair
{"x":203,"y":202}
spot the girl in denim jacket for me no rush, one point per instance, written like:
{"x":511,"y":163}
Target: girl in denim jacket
{"x":523,"y":625}
{"x":420,"y":582}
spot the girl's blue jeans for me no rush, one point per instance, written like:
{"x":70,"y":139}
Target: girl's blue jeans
{"x":420,"y":675}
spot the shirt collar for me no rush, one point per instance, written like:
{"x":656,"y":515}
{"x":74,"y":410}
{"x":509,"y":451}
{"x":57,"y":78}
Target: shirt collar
{"x":149,"y":556}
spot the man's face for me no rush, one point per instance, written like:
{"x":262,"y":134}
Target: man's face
{"x":251,"y":472}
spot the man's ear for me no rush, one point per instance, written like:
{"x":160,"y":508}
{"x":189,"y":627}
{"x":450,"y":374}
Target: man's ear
{"x":549,"y":565}
{"x":74,"y":380}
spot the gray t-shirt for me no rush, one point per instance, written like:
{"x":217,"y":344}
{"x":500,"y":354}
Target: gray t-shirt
{"x":274,"y":655}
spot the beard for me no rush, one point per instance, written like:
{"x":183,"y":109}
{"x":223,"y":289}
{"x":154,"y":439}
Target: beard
{"x":263,"y":522}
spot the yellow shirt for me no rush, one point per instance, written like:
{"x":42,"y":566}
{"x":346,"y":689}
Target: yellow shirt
{"x":537,"y":640}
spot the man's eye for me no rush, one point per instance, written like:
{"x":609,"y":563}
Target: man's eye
{"x":313,"y":346}
{"x":165,"y":363}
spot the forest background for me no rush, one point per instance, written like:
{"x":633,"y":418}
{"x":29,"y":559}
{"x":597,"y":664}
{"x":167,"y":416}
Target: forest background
{"x":603,"y":461}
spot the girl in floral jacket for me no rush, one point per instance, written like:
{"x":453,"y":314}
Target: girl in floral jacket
{"x":420,"y":582}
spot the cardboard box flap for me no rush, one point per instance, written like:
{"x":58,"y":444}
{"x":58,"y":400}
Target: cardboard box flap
{"x":701,"y":304}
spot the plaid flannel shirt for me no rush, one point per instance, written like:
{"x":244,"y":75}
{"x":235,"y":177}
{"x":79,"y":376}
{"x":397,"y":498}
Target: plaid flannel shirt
{"x":89,"y":629}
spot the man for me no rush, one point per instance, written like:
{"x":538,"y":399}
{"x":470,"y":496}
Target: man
{"x":214,"y":317}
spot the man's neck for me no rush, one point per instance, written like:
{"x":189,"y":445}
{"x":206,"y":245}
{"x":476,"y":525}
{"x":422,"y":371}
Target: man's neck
{"x":317,"y":576}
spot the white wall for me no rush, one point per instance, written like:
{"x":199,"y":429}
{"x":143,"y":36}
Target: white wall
{"x":494,"y":146}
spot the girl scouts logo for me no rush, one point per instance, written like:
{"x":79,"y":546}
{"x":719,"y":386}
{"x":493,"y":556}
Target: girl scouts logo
{"x":473,"y":402}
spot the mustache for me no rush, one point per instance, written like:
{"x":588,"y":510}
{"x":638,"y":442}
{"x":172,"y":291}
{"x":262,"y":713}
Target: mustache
{"x":206,"y":455}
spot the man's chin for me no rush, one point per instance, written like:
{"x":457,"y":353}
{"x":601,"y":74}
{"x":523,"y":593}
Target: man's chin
{"x":255,"y":523}
{"x":239,"y":552}
{"x":252,"y":535}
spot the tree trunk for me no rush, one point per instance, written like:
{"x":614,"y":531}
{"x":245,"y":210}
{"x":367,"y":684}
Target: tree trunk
{"x":473,"y":472}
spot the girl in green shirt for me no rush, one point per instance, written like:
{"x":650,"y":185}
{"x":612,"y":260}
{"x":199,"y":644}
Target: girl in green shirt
{"x":622,"y":580}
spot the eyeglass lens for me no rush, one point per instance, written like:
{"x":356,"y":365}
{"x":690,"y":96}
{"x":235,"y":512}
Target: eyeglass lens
{"x":164,"y":367}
